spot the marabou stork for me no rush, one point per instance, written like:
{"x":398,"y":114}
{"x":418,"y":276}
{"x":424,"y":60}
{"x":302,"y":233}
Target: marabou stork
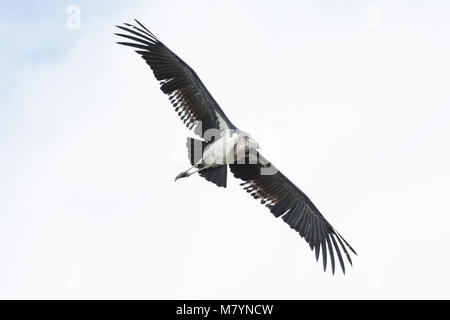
{"x":223,"y":144}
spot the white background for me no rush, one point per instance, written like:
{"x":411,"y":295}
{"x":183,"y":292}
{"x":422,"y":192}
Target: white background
{"x":350,"y":101}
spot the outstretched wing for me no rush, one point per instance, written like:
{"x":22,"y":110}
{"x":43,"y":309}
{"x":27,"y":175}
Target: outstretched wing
{"x":188,"y":95}
{"x":263,"y":181}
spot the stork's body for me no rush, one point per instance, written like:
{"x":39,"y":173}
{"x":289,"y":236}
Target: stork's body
{"x":233,"y":148}
{"x":222,"y":151}
{"x":230,"y":147}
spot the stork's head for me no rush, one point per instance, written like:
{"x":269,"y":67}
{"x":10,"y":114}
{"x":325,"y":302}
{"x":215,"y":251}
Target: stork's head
{"x":247,"y":140}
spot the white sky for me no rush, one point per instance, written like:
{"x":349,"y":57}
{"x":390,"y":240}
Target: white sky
{"x":350,"y":102}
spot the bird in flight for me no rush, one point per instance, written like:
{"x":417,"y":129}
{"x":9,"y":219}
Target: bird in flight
{"x":223,"y":145}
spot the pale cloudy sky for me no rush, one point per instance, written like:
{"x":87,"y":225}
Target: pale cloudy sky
{"x":350,"y":101}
